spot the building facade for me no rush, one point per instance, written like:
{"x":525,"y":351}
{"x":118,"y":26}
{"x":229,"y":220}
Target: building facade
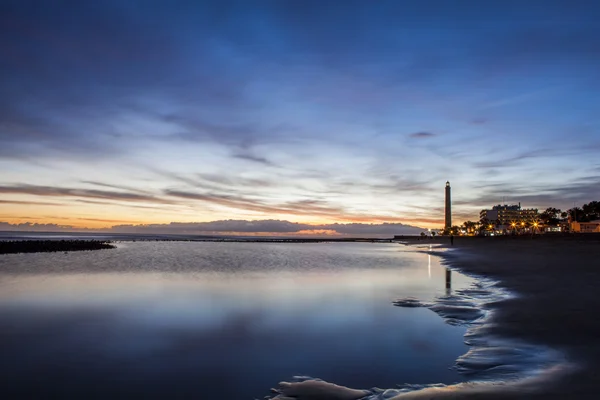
{"x":586,"y":227}
{"x":509,"y":214}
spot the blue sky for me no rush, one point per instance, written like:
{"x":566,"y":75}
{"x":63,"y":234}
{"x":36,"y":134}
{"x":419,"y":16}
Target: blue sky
{"x":314,"y":112}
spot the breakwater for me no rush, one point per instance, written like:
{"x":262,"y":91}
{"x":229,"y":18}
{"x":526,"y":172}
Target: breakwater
{"x":42,"y":246}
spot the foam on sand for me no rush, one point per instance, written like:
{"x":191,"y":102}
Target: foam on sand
{"x":314,"y":389}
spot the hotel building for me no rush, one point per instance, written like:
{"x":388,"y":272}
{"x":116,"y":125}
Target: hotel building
{"x":507,"y":214}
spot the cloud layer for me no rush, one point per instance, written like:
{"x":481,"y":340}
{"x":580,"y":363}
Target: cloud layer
{"x":340,"y":112}
{"x":236,"y":227}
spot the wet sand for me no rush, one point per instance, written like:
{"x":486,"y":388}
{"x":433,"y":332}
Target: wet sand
{"x":556,"y":283}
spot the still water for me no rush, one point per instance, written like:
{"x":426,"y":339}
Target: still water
{"x":221,"y":320}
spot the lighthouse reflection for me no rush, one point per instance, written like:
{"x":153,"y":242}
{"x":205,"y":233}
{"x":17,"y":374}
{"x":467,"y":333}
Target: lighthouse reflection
{"x":429,"y":265}
{"x":448,"y":281}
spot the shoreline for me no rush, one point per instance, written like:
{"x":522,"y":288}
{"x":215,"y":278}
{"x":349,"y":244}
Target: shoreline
{"x":491,"y":358}
{"x":552,"y":305}
{"x":551,"y":280}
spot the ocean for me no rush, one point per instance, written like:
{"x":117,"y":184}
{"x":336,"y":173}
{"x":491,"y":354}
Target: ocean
{"x":223,"y":320}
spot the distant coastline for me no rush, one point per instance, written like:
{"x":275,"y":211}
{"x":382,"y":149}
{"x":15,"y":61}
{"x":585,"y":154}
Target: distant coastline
{"x":103,"y":236}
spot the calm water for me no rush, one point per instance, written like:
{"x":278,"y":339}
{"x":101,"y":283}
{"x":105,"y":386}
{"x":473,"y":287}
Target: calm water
{"x":221,"y":320}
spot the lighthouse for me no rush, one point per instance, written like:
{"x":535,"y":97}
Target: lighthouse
{"x":448,"y":220}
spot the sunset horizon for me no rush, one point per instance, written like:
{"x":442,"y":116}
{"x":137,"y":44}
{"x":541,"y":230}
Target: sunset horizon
{"x":152,"y":114}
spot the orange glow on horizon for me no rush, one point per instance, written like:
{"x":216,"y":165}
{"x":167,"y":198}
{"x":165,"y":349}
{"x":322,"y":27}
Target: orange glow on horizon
{"x":106,"y":216}
{"x":89,"y":223}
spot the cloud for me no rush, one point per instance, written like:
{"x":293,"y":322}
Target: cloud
{"x":82,"y":193}
{"x":194,"y":129}
{"x":512,"y":160}
{"x":31,"y":203}
{"x":422,"y":135}
{"x":253,"y":158}
{"x":127,"y":205}
{"x":102,"y":220}
{"x":35,"y":227}
{"x":253,"y":113}
{"x":373,"y":229}
{"x":233,"y":226}
{"x":236,"y":181}
{"x":113,"y":186}
{"x":580,"y":191}
{"x":239,"y":227}
{"x":302,"y":207}
{"x":520,"y":98}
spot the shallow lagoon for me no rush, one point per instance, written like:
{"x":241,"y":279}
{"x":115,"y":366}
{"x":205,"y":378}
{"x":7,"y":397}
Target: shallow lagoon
{"x":222,"y":319}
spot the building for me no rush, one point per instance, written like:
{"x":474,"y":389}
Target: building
{"x":448,"y":219}
{"x":508,"y":214}
{"x":586,"y":227}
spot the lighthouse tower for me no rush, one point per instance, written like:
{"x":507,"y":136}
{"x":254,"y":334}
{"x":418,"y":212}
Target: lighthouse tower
{"x":448,"y":220}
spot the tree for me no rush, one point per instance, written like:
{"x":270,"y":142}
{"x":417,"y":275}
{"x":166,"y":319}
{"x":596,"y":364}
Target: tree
{"x":587,"y":212}
{"x":591,"y":210}
{"x":550,"y":216}
{"x":576,"y":214}
{"x":470,"y":226}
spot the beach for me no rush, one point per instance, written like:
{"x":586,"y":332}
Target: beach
{"x":554,"y":280}
{"x":553,"y":302}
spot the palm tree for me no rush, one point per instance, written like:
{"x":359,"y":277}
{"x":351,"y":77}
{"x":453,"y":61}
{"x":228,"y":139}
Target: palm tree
{"x":470,"y":226}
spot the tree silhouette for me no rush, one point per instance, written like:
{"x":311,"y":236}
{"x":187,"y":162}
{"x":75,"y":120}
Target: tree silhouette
{"x":550,"y":216}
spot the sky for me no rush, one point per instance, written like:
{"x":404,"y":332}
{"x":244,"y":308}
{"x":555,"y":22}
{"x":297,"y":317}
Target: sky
{"x":329,"y":117}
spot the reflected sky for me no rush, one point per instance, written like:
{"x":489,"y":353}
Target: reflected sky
{"x":228,"y":319}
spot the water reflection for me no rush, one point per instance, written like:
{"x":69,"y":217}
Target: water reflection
{"x":163,"y":319}
{"x":448,"y":282}
{"x":429,"y":265}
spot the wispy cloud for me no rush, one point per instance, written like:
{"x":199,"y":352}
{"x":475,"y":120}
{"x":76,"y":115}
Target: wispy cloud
{"x":126,"y":205}
{"x":538,"y":195}
{"x":114,"y":186}
{"x":302,"y":207}
{"x":254,"y":158}
{"x":111,"y":221}
{"x":81,"y":193}
{"x":520,"y":98}
{"x":30,"y":203}
{"x":422,"y":135}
